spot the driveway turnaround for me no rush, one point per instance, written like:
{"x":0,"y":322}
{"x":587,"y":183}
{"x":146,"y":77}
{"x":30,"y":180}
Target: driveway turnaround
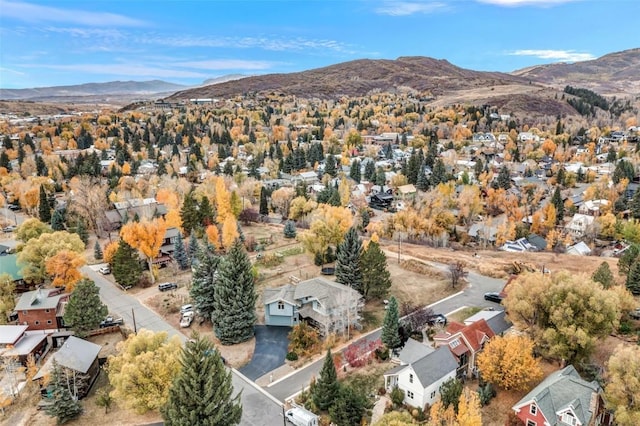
{"x":270,"y":351}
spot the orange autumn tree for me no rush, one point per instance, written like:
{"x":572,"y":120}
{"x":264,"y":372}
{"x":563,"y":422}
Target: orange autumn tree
{"x":64,"y":269}
{"x":109,"y":251}
{"x":213,"y":235}
{"x":508,"y":362}
{"x":147,"y":237}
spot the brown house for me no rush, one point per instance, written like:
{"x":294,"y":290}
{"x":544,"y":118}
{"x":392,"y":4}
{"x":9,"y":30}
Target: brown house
{"x":42,"y":309}
{"x":17,"y":342}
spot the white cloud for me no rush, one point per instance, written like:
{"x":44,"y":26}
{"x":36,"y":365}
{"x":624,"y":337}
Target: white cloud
{"x":226,"y":64}
{"x":124,"y":70}
{"x":515,"y":3}
{"x":405,"y":8}
{"x":29,"y":12}
{"x":7,"y":70}
{"x":555,"y":55}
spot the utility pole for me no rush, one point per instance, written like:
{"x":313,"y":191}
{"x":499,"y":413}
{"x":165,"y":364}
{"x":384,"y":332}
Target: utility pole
{"x":135,"y":328}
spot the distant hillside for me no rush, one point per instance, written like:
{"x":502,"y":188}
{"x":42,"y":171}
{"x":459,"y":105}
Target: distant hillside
{"x":224,"y":79}
{"x":613,"y":74}
{"x":126,"y":88}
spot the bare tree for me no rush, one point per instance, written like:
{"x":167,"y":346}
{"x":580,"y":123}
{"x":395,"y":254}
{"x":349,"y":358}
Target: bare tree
{"x":89,"y":200}
{"x":457,"y":272}
{"x":415,"y":317}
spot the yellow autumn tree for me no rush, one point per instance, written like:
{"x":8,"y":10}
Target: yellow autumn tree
{"x":63,"y":268}
{"x":223,"y":200}
{"x":109,"y":251}
{"x":213,"y":235}
{"x":147,"y":237}
{"x":623,"y":386}
{"x":439,"y":416}
{"x":508,"y":362}
{"x":229,"y":231}
{"x":469,"y":409}
{"x":328,"y":226}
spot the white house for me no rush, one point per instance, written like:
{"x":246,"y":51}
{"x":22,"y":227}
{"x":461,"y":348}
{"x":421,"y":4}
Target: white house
{"x":421,"y":379}
{"x":579,"y":225}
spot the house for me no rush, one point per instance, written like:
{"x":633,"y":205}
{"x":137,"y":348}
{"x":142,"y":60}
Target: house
{"x":80,"y":357}
{"x":421,"y":379}
{"x":579,"y":225}
{"x":326,"y":305}
{"x":579,"y":249}
{"x":306,"y":177}
{"x":407,"y":191}
{"x":483,"y":233}
{"x":465,"y":342}
{"x":496,"y":320}
{"x":17,"y":342}
{"x":42,"y":309}
{"x":593,"y":207}
{"x":563,"y":398}
{"x":124,"y":211}
{"x":517,"y":246}
{"x":168,"y":246}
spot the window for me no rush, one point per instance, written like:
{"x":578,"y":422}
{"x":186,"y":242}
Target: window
{"x":25,"y":312}
{"x":531,"y":423}
{"x":47,"y":311}
{"x":49,"y":322}
{"x":569,"y":419}
{"x":280,"y":305}
{"x":410,"y":378}
{"x":36,"y":323}
{"x":410,"y":394}
{"x":533,"y":410}
{"x":433,"y":394}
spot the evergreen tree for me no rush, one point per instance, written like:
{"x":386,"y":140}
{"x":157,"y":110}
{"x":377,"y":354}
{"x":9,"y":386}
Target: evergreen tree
{"x":201,"y":393}
{"x":81,"y":230}
{"x":634,"y":205}
{"x":203,"y":283}
{"x":381,"y":177}
{"x":450,"y":392}
{"x":180,"y":255}
{"x":235,"y":297}
{"x":376,"y":279}
{"x":85,"y":310}
{"x":57,"y":220}
{"x":628,"y":258}
{"x":5,"y":161}
{"x":354,"y":171}
{"x":126,"y":265}
{"x":327,"y":386}
{"x":289,"y":229}
{"x":206,"y":215}
{"x":422,"y":183}
{"x":97,"y":251}
{"x":478,"y":168}
{"x":561,"y":176}
{"x":365,"y":218}
{"x":189,"y":213}
{"x":194,"y":247}
{"x":370,"y":171}
{"x":390,"y":336}
{"x":65,"y":407}
{"x":349,"y":407}
{"x":633,"y":278}
{"x":504,"y":178}
{"x":439,"y":174}
{"x":44,"y":211}
{"x":264,"y":208}
{"x":556,"y":200}
{"x":348,"y":268}
{"x":603,"y":275}
{"x":330,"y":166}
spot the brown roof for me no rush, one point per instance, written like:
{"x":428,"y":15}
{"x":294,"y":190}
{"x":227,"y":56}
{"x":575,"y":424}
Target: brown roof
{"x":473,"y":333}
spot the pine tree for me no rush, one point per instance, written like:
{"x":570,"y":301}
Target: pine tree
{"x":126,"y":265}
{"x":180,"y":255}
{"x":504,"y":178}
{"x":439,"y":174}
{"x":327,"y":386}
{"x":235,"y":297}
{"x":330,"y":166}
{"x":203,"y":283}
{"x":201,"y":394}
{"x":376,"y":279}
{"x":348,"y":268}
{"x":97,"y":251}
{"x":381,"y":177}
{"x":57,"y":220}
{"x":556,"y":200}
{"x":44,"y":211}
{"x":634,"y":205}
{"x":189,"y":213}
{"x":81,"y":230}
{"x":422,"y":183}
{"x":349,"y":407}
{"x":390,"y":336}
{"x":289,"y":229}
{"x":603,"y":275}
{"x":354,"y":171}
{"x":264,"y":208}
{"x":65,"y":407}
{"x":370,"y":171}
{"x":194,"y":247}
{"x":85,"y":310}
{"x":206,"y":215}
{"x":633,"y":278}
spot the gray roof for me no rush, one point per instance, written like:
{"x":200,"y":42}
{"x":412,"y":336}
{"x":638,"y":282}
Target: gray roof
{"x":39,"y":299}
{"x":76,"y":354}
{"x":435,"y":366}
{"x":499,"y":323}
{"x":562,"y":389}
{"x":171,"y":232}
{"x":29,"y":341}
{"x":414,"y":351}
{"x":9,"y":334}
{"x":330,"y":294}
{"x":284,"y":293}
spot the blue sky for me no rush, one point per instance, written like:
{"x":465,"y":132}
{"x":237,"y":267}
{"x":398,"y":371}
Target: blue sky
{"x":50,"y":43}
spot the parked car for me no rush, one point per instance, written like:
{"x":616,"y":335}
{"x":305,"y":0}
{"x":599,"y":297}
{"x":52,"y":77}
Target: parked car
{"x":187,"y":319}
{"x":111,"y":321}
{"x":493,"y":297}
{"x":635,"y":314}
{"x":186,"y":308}
{"x":105,"y":270}
{"x":436,"y":319}
{"x":9,"y":228}
{"x":14,"y":207}
{"x":167,"y":286}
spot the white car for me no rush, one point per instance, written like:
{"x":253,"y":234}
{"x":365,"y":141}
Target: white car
{"x":187,"y":319}
{"x":105,"y":270}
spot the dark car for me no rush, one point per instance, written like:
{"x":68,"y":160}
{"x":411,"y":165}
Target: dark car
{"x":493,"y":297}
{"x":167,"y":286}
{"x":14,"y":207}
{"x":436,"y":319}
{"x":9,"y":228}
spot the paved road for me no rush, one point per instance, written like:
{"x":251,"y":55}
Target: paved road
{"x":472,"y":295}
{"x":258,"y":408}
{"x":270,"y":351}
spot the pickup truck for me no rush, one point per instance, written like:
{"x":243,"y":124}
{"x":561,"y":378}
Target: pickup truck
{"x":110,"y":322}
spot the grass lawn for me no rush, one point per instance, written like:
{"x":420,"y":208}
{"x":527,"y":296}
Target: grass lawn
{"x":464,"y":313}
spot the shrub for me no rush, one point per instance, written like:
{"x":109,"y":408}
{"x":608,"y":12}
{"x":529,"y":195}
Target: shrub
{"x":292,"y":356}
{"x":397,"y":396}
{"x":382,"y":390}
{"x":625,"y":327}
{"x":289,"y":229}
{"x":382,"y":354}
{"x":485,"y":394}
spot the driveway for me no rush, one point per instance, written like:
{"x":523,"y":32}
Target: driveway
{"x":270,"y":351}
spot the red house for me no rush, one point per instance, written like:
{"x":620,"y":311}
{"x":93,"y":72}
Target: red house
{"x":564,"y":398}
{"x":465,"y":342}
{"x":42,"y":309}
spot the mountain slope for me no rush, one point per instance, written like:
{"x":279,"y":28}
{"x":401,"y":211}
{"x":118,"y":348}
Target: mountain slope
{"x":613,"y":74}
